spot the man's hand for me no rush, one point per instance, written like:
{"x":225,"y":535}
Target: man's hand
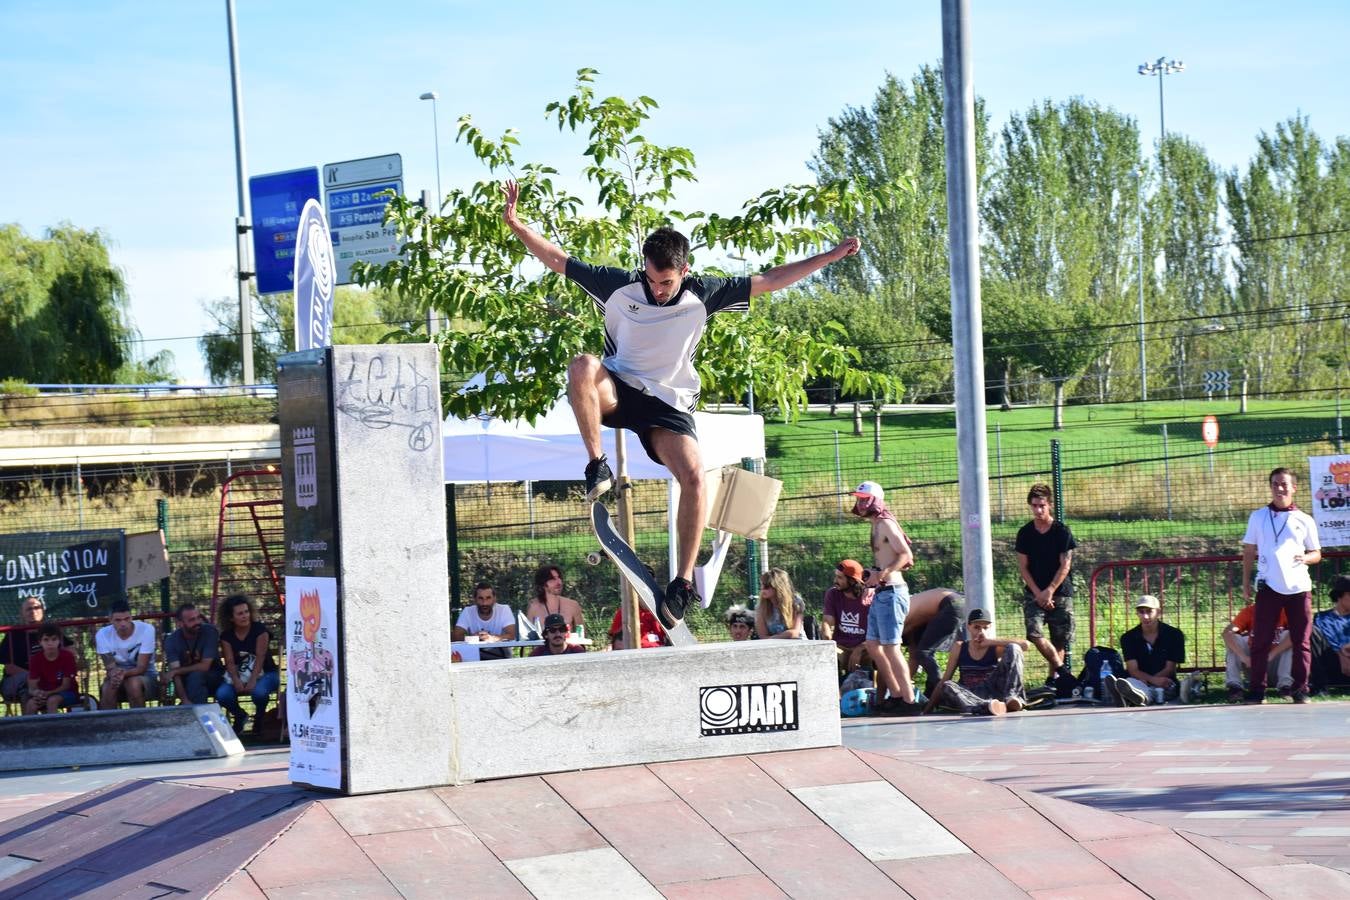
{"x":847,"y":247}
{"x":512,"y":192}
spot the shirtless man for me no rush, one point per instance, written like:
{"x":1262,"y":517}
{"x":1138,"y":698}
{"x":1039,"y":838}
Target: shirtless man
{"x":886,"y":619}
{"x":548,"y":598}
{"x":935,"y":621}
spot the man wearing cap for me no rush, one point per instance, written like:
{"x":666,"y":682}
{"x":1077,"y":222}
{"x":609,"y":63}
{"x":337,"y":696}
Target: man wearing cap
{"x":1152,"y":650}
{"x":845,"y":615}
{"x":990,"y":682}
{"x":555,"y":638}
{"x":1332,"y":633}
{"x":1282,"y":541}
{"x":891,"y":555}
{"x":1044,"y":556}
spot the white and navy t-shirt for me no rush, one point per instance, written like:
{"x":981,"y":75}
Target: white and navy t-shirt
{"x":651,"y":345}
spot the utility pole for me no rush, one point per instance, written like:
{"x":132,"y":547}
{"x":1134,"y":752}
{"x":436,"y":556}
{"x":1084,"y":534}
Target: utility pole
{"x":242,"y":221}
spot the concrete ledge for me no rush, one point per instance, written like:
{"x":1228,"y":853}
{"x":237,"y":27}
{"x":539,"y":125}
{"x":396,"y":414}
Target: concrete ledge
{"x":115,"y":737}
{"x":594,"y":710}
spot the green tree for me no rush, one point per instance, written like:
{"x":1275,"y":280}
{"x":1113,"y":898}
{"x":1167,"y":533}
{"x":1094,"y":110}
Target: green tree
{"x":1289,"y":212}
{"x":904,"y":260}
{"x":359,"y":317}
{"x":64,"y":311}
{"x":525,"y":327}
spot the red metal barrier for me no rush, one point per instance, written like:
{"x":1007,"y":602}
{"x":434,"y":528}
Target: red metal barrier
{"x":1199,"y":594}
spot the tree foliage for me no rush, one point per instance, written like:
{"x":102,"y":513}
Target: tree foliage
{"x":63,"y":312}
{"x":522,"y":327}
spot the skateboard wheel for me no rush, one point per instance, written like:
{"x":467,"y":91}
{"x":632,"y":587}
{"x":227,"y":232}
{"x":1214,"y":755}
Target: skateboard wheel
{"x":593,"y":558}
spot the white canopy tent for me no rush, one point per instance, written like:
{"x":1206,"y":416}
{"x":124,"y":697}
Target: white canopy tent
{"x":484,"y":449}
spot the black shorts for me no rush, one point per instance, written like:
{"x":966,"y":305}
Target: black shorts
{"x":640,"y":412}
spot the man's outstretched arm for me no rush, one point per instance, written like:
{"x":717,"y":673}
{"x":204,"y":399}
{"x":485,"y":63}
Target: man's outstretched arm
{"x":780,"y":277}
{"x":547,"y":252}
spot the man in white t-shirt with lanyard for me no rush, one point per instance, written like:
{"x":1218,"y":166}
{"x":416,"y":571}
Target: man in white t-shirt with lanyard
{"x":1282,"y":540}
{"x":646,"y":381}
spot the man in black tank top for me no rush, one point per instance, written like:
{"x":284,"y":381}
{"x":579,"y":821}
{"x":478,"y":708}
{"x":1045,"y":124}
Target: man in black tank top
{"x":990,"y":682}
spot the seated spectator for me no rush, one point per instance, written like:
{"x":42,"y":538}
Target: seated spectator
{"x":548,"y":599}
{"x":18,"y":646}
{"x":653,"y":635}
{"x":779,"y":612}
{"x":844,"y":615}
{"x":488,"y":621}
{"x":990,"y":672}
{"x":1331,"y":638}
{"x":556,"y":632}
{"x":740,"y":623}
{"x":250,"y":667}
{"x":1152,"y":650}
{"x":192,"y":656}
{"x":934,"y":623}
{"x":51,"y":674}
{"x":1237,"y":658}
{"x":128,"y":651}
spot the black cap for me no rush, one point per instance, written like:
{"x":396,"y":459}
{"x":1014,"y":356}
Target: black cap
{"x":978,"y":615}
{"x":553,"y":620}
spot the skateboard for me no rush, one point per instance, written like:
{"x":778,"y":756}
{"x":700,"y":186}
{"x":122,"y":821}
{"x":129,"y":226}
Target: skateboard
{"x":635,"y":573}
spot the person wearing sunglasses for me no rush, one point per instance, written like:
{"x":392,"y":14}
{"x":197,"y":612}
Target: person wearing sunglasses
{"x":555,"y":638}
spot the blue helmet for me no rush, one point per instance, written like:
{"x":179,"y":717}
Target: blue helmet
{"x":856,"y":703}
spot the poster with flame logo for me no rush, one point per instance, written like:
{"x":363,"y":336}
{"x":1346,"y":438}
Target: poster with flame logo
{"x":312,"y":684}
{"x":1329,"y":503}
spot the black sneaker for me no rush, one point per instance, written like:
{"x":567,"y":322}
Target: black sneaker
{"x":1300,"y":696}
{"x":1254,"y":697}
{"x":599,"y":478}
{"x":679,"y":597}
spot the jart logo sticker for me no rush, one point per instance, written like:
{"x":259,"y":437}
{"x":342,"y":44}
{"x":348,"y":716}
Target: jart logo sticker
{"x":747,"y":708}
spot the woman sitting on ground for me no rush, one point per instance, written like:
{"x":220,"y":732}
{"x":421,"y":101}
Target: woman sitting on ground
{"x":781,"y":609}
{"x":246,"y":650}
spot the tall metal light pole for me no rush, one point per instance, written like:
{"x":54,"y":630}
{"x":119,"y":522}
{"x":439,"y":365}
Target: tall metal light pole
{"x":241,"y":223}
{"x":1162,"y":68}
{"x":1139,"y":214}
{"x":436,"y":131}
{"x":958,"y":124}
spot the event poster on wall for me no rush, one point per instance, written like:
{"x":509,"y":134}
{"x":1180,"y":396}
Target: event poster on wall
{"x":1329,"y":498}
{"x":312,"y":701}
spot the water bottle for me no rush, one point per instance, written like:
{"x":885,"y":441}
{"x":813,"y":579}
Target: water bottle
{"x":1103,"y":672}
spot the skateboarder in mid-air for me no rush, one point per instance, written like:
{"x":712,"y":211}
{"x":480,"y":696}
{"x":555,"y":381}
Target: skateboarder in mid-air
{"x":646,"y":382}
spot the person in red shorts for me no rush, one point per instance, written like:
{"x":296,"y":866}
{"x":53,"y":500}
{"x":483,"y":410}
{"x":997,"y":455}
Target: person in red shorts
{"x":1237,"y":640}
{"x":51,"y":675}
{"x":555,"y":638}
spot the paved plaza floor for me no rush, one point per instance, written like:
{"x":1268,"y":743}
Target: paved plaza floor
{"x":1185,"y":802}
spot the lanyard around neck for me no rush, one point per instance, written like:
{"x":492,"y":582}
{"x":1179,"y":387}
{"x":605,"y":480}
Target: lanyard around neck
{"x":1283,"y":525}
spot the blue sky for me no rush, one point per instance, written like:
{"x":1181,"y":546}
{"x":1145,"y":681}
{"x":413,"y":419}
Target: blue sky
{"x":117,"y":114}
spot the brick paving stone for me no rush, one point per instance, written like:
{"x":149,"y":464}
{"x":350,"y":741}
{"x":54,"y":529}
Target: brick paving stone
{"x":440,"y":862}
{"x":1116,"y":890}
{"x":668,"y":842}
{"x":240,"y":886}
{"x":1303,"y":881}
{"x":734,"y":795}
{"x":1026,"y":848}
{"x":313,"y":851}
{"x":949,"y":878}
{"x":1083,"y":823}
{"x":1167,"y":866}
{"x":520,"y":817}
{"x":609,"y":787}
{"x":811,"y":768}
{"x":814,"y":861}
{"x":741,"y":887}
{"x":365,"y":887}
{"x":936,"y":791}
{"x":399,"y":811}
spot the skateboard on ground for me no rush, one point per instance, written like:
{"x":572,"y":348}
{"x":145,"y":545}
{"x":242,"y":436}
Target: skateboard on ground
{"x":635,"y":573}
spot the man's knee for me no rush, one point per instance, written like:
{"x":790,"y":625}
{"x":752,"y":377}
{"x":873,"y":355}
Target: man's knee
{"x":583,"y":369}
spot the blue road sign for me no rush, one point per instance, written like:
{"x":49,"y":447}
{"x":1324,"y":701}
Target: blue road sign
{"x":314,"y":280}
{"x":277,"y":200}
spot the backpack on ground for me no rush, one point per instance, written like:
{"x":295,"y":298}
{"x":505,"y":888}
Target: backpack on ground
{"x":1042,"y":697}
{"x":1091,"y":676}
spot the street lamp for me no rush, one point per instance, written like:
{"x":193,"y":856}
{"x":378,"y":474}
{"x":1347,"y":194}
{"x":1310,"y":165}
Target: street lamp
{"x":436,"y":131}
{"x":1139,"y":214}
{"x":1162,"y":68}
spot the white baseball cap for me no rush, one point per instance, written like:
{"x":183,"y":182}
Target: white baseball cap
{"x":870,"y":489}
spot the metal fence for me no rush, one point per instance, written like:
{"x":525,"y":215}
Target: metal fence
{"x":1158,"y":495}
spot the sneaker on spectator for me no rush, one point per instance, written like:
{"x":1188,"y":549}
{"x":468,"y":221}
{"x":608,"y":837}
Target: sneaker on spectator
{"x":997,"y":708}
{"x":239,"y":721}
{"x":1254,"y":697}
{"x":1129,"y":694}
{"x":1111,"y":686}
{"x":1285,"y":690}
{"x":1191,"y":687}
{"x":599,"y":478}
{"x":1236,"y":693}
{"x":1300,"y":696}
{"x":1016,"y":704}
